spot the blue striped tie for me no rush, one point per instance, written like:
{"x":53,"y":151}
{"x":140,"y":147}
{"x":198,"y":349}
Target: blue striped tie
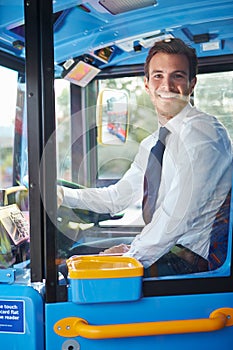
{"x":152,"y":176}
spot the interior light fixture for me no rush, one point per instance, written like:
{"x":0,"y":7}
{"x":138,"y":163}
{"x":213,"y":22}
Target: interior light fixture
{"x":121,"y":6}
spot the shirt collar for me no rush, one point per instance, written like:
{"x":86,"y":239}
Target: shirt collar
{"x":174,"y":124}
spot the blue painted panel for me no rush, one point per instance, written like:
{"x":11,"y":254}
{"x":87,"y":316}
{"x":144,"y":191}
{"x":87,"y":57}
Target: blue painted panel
{"x":144,"y":310}
{"x":21,"y":318}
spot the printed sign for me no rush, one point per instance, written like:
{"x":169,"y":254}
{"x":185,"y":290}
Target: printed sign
{"x":12,"y":318}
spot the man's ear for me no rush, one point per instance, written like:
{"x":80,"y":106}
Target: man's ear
{"x":146,"y":84}
{"x":192,"y":84}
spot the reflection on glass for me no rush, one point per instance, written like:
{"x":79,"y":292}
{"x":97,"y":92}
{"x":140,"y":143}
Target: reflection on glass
{"x":113,"y":117}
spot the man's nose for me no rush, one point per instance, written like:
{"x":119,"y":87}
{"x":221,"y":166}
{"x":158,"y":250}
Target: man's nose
{"x":167,"y":83}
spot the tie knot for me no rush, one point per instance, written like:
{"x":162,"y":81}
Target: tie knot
{"x":163,"y":132}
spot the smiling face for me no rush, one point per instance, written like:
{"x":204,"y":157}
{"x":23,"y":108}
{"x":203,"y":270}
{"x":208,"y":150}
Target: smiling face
{"x":168,"y":85}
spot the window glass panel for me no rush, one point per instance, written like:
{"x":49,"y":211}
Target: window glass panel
{"x":62,"y":107}
{"x":214,"y":95}
{"x":114,"y":160}
{"x":14,"y":216}
{"x":8,"y":93}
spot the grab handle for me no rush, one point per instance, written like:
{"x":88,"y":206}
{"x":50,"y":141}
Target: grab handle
{"x":75,"y":326}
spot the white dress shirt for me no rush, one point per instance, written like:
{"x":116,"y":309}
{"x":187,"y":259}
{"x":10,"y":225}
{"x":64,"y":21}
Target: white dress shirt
{"x":196,"y":178}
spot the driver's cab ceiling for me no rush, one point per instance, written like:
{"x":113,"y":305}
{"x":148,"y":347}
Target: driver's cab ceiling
{"x":107,"y":33}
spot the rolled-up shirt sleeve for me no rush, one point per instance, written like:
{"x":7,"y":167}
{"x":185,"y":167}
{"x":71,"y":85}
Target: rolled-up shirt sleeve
{"x":114,"y":198}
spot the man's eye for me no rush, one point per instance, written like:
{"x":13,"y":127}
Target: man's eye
{"x":179,"y":76}
{"x":157,"y":76}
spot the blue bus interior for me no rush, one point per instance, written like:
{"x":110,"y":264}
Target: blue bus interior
{"x":61,"y":54}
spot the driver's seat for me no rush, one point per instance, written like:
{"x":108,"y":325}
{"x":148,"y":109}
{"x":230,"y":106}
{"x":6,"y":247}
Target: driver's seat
{"x":219,"y":235}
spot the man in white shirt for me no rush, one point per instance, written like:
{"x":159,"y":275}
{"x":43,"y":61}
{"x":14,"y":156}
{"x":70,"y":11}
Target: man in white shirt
{"x":195,"y":176}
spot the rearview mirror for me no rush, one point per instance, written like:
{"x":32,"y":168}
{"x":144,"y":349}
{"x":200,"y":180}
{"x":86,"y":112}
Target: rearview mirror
{"x":112,"y":117}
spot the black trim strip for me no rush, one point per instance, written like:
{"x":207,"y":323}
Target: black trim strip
{"x":12,"y":62}
{"x":205,"y":65}
{"x":187,"y":286}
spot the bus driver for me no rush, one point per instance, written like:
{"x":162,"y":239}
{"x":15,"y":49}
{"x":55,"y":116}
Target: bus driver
{"x":182,"y":197}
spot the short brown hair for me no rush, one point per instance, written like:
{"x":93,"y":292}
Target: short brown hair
{"x":173,"y":46}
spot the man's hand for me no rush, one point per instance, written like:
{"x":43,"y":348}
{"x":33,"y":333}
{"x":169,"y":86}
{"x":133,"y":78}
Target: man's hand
{"x":117,"y":249}
{"x":60,"y":196}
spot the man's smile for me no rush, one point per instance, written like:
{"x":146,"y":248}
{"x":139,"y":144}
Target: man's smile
{"x":170,"y":95}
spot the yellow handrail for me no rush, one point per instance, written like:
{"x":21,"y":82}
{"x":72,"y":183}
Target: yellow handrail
{"x":14,"y":189}
{"x":75,"y":326}
{"x":11,"y":190}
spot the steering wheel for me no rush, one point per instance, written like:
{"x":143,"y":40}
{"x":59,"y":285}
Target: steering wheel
{"x":81,"y":215}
